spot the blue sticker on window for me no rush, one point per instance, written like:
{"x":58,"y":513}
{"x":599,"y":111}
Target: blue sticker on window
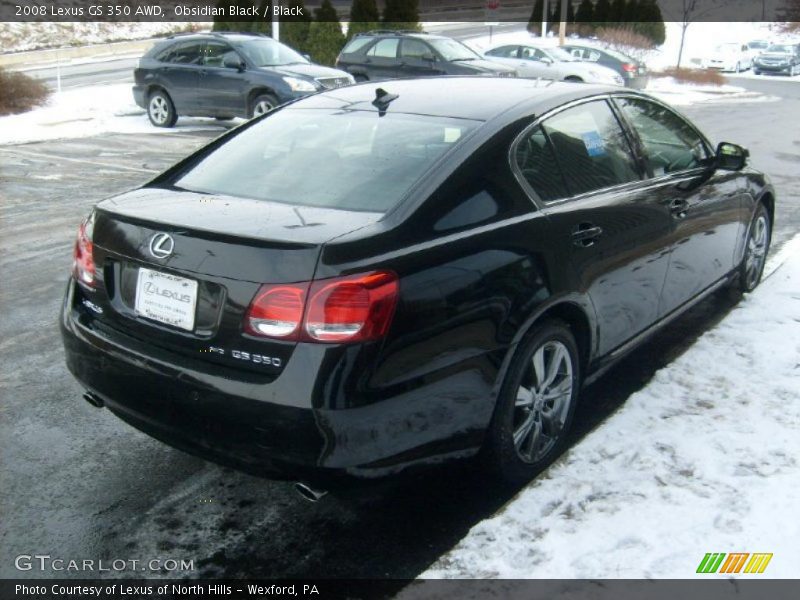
{"x":594,"y":143}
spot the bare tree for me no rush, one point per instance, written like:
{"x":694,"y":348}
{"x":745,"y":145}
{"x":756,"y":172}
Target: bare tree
{"x":690,"y":12}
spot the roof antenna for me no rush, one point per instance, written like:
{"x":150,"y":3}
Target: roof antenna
{"x":382,"y":100}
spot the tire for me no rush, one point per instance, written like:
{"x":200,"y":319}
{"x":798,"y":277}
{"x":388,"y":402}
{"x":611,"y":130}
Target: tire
{"x":160,"y":109}
{"x":522,"y":439}
{"x":737,"y":68}
{"x":759,"y":236}
{"x":573,"y":79}
{"x":262,"y":104}
{"x":756,"y":72}
{"x":224,"y":118}
{"x":360,"y":78}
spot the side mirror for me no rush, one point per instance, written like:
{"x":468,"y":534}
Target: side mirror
{"x":233,"y":61}
{"x":429,"y":56}
{"x":547,"y":60}
{"x":731,"y":157}
{"x":307,"y":57}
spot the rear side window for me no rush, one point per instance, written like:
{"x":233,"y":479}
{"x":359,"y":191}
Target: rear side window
{"x":190,"y":53}
{"x":591,"y":147}
{"x":386,"y":48}
{"x":669,"y":142}
{"x":504,"y":52}
{"x":352,"y":160}
{"x":356,"y":44}
{"x":537,"y":162}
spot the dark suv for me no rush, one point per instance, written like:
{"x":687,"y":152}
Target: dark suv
{"x":224,"y":76}
{"x":398,"y":54}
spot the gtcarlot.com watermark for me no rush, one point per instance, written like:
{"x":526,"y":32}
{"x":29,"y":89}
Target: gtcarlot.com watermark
{"x":45,"y":562}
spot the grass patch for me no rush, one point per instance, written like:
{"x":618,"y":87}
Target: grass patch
{"x":20,"y":93}
{"x":701,"y":76}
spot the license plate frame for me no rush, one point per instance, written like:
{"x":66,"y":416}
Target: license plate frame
{"x":166,"y":298}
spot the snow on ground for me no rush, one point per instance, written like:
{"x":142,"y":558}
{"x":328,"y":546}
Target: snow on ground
{"x":19,"y":37}
{"x":84,"y":112}
{"x":705,"y":458}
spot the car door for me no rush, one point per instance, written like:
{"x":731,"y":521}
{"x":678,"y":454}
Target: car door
{"x":615,"y":236}
{"x":181,"y":73}
{"x":537,"y":63}
{"x":381,"y":60}
{"x":707,"y":209}
{"x":417,"y":59}
{"x":221,"y":90}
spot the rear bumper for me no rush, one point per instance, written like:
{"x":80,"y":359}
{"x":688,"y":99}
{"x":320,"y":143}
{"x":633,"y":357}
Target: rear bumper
{"x":139,"y":96}
{"x":284,"y":428}
{"x":638,"y":82}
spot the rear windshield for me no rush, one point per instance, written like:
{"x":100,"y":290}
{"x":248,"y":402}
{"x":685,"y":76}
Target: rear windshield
{"x":352,"y":160}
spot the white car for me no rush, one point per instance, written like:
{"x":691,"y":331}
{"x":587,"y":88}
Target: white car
{"x":730,"y":56}
{"x":551,"y":63}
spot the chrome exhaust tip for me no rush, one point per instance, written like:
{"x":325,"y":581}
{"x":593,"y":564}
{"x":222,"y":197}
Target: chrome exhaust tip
{"x":94,"y":399}
{"x":308,"y":493}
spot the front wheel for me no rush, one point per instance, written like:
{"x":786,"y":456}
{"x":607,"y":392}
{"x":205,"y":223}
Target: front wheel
{"x":262,"y":104}
{"x":536,"y":405}
{"x":759,"y":236}
{"x":573,"y":79}
{"x":737,"y":68}
{"x":161,"y":110}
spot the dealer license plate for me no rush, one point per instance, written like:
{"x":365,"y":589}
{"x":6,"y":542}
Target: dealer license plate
{"x":166,"y":298}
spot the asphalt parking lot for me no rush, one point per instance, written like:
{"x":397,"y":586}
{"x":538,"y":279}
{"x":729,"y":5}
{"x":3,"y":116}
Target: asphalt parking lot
{"x":77,"y":483}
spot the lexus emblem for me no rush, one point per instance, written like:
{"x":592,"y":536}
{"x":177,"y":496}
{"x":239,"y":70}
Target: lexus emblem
{"x":161,"y":245}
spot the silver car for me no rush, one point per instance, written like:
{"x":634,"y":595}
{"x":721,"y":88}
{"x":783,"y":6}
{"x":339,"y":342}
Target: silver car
{"x":551,"y":63}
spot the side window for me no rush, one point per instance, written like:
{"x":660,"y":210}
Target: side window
{"x":190,"y":53}
{"x":670,"y":143}
{"x":386,"y":48}
{"x":214,"y":54}
{"x":537,"y":163}
{"x":530,"y":53}
{"x":412,"y":48}
{"x":591,"y":147}
{"x":593,"y":56}
{"x":504,"y":52}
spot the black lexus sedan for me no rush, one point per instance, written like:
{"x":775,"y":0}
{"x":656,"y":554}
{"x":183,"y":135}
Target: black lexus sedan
{"x":224,"y":75}
{"x":368,"y":279}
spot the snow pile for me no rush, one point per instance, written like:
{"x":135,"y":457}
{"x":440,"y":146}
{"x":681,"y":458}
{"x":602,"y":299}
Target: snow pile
{"x":84,"y":112}
{"x":705,"y":458}
{"x":681,"y":93}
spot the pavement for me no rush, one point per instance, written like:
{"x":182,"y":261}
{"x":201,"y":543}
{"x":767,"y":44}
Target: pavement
{"x":77,"y":483}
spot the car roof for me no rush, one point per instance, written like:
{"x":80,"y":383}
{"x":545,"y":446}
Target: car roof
{"x":461,"y":97}
{"x":402,"y":33}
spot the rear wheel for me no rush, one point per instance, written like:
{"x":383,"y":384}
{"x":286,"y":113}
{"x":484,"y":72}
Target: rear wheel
{"x":536,"y":405}
{"x":262,"y":103}
{"x":161,"y":110}
{"x":756,"y":72}
{"x":573,"y":79}
{"x":738,"y":68}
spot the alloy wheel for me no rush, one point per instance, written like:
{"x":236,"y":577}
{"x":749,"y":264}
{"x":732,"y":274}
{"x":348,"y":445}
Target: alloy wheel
{"x":756,"y":251}
{"x":543,"y":401}
{"x":159,"y":109}
{"x":261,"y":107}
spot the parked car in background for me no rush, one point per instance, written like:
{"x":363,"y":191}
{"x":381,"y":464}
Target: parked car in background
{"x":377,"y":278}
{"x":730,"y":56}
{"x":397,"y":54}
{"x":224,"y":75}
{"x":778,"y":59}
{"x":633,"y":71}
{"x":549,"y":62}
{"x":756,"y":47}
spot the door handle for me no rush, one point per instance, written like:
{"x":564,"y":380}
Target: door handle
{"x":678,"y":208}
{"x":586,"y":234}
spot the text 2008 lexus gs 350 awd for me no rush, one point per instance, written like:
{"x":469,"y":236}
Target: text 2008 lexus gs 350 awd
{"x":367,"y":280}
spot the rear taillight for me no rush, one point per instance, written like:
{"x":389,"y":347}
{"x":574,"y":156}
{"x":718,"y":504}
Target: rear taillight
{"x":629,"y":67}
{"x":354,"y":308}
{"x":83,"y":268}
{"x":277,"y":311}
